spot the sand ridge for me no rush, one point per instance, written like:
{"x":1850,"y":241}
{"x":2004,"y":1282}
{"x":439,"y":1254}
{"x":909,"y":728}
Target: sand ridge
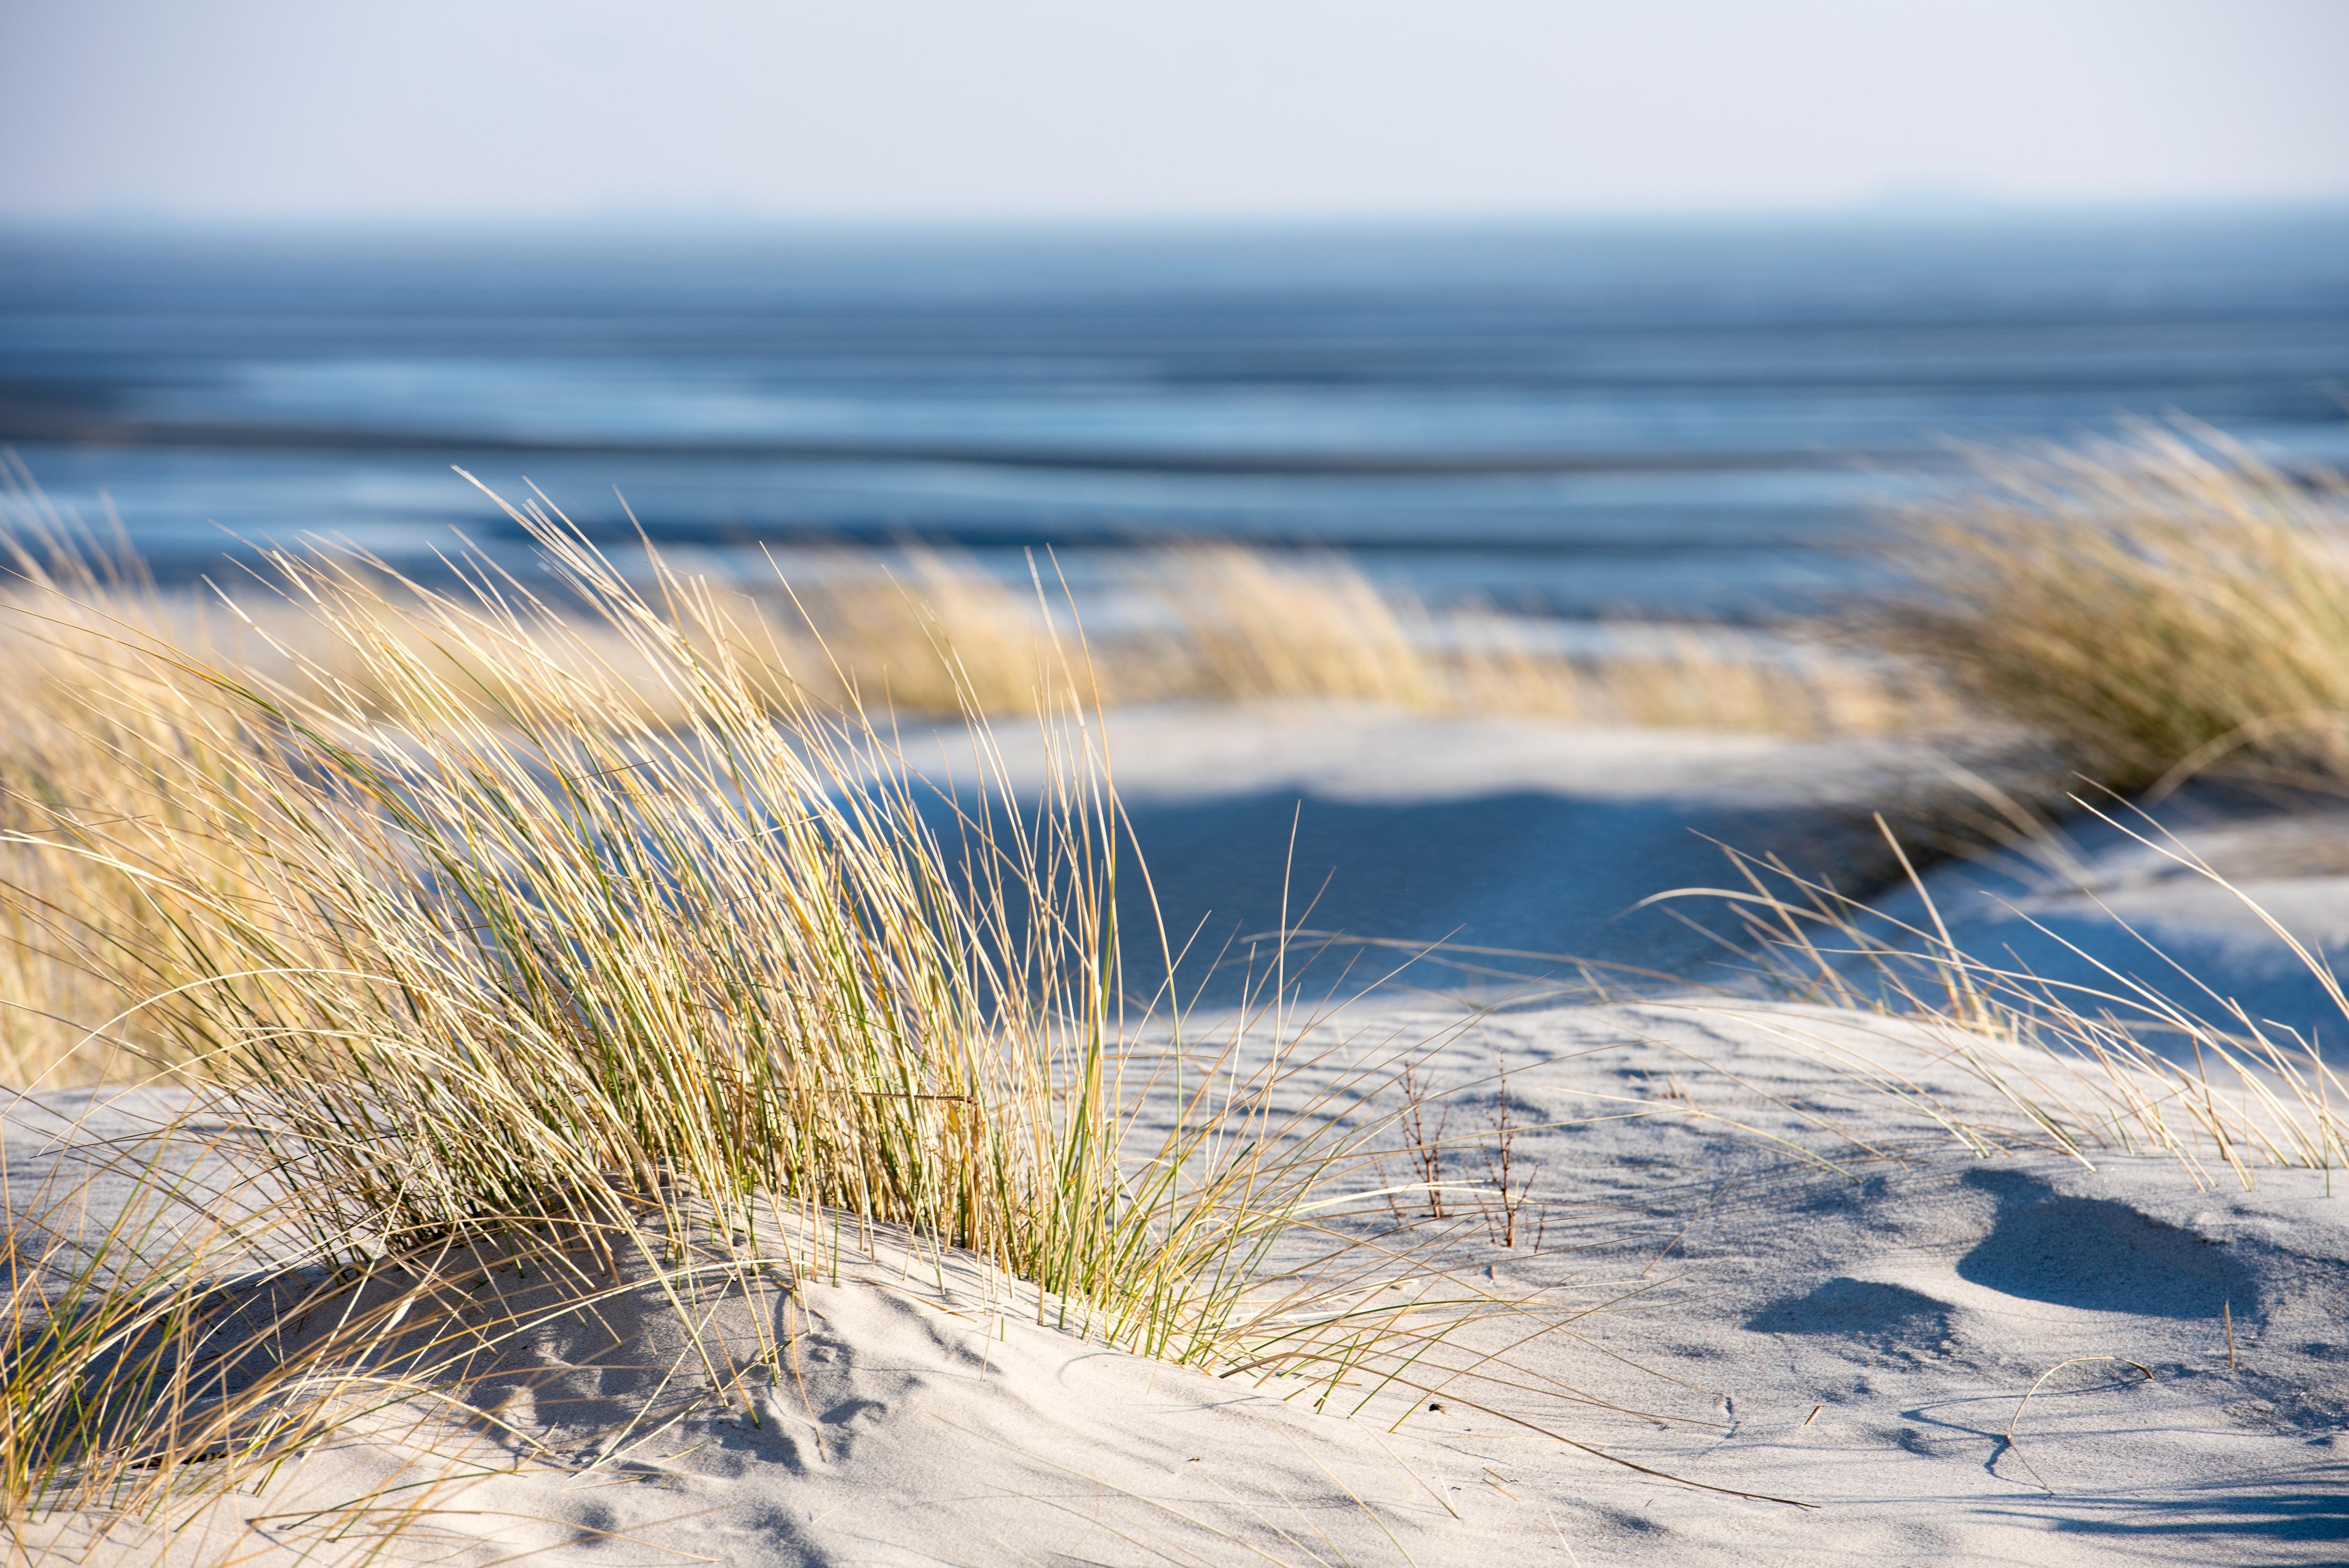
{"x":1858,"y":1340}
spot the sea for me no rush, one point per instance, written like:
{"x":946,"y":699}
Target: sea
{"x":1664,"y":419}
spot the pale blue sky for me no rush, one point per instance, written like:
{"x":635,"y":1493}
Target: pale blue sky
{"x":1084,"y":109}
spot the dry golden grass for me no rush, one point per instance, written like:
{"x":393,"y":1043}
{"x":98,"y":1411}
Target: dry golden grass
{"x":1256,"y":627}
{"x":1202,"y":625}
{"x":111,"y":850}
{"x":560,"y":946}
{"x":2154,"y":607}
{"x":124,"y":769}
{"x":1253,"y":628}
{"x":1798,"y":683}
{"x":473,"y":938}
{"x":2079,"y":1068}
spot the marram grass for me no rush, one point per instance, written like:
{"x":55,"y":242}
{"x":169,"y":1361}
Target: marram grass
{"x":493,"y":925}
{"x":2154,"y":607}
{"x":486,"y":932}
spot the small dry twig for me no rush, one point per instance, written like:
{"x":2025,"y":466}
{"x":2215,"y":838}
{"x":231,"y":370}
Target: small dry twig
{"x":2014,"y":1447}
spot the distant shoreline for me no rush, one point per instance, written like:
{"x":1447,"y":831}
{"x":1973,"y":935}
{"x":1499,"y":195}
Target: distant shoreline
{"x":28,"y":422}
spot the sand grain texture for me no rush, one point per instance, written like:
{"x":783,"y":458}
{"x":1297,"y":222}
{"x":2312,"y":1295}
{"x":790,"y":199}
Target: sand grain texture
{"x":1857,"y":1341}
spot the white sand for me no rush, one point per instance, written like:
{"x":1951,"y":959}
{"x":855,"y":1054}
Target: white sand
{"x":1858,"y":1342}
{"x":1860,"y":1346}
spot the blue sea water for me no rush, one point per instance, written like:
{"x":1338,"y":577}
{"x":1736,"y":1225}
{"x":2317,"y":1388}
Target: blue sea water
{"x":1681,"y":418}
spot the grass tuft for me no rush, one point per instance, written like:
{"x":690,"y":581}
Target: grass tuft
{"x":2155,"y":606}
{"x":569,"y":924}
{"x":2107,"y":1065}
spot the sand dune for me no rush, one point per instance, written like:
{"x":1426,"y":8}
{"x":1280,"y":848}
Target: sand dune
{"x":1858,"y":1342}
{"x":1773,"y":1313}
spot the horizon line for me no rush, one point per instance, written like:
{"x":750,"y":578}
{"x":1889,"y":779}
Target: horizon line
{"x":1957,"y":212}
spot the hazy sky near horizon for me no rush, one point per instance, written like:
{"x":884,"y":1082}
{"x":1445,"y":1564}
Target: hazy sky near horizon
{"x":1077,"y":110}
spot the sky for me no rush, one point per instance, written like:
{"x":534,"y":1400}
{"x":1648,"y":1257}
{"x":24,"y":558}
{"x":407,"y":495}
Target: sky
{"x":994,"y":110}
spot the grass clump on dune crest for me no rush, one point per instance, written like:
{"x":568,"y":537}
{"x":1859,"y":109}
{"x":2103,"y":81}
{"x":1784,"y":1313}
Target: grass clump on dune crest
{"x":934,"y":634}
{"x":469,"y":927}
{"x":927,"y":632}
{"x":493,"y":925}
{"x":1254,"y":626}
{"x":121,"y":827}
{"x":2154,"y":607}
